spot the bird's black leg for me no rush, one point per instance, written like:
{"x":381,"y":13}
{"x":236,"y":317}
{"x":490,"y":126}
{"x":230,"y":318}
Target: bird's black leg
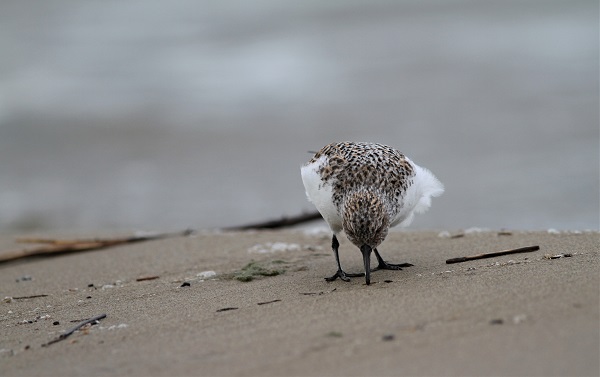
{"x":340,"y":273}
{"x":383,"y":265}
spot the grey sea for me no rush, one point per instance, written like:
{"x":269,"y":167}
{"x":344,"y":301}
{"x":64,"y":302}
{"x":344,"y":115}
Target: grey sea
{"x":166,"y":115}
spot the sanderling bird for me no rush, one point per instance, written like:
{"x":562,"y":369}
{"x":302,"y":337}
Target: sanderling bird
{"x":364,"y":189}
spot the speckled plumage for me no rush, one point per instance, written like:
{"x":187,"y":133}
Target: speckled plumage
{"x":366,"y":188}
{"x":352,"y":166}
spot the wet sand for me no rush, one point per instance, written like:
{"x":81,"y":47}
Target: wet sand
{"x":521,"y":314}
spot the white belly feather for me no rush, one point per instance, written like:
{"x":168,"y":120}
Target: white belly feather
{"x":320,"y":194}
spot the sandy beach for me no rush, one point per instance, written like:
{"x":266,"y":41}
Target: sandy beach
{"x":179,"y":307}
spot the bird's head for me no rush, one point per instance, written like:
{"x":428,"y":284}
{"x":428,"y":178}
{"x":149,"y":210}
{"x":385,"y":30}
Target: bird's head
{"x":365,"y":219}
{"x":366,"y":223}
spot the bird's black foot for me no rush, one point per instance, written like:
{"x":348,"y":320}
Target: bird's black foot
{"x":383,"y":265}
{"x":344,"y":276}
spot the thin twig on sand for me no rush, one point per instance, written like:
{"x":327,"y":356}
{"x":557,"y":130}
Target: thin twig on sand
{"x":71,"y":331}
{"x":495,"y":254}
{"x":32,"y":296}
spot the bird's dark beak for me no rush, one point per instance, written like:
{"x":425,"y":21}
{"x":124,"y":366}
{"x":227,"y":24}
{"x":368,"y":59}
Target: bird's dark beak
{"x":366,"y":252}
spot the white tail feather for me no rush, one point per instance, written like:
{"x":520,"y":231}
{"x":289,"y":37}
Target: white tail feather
{"x":429,"y":186}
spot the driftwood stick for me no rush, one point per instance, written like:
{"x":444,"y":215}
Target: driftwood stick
{"x":71,"y":331}
{"x":50,"y":246}
{"x":495,"y":254}
{"x":91,"y":241}
{"x":280,"y":223}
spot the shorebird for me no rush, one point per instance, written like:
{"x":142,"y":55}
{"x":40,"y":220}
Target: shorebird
{"x":364,"y":189}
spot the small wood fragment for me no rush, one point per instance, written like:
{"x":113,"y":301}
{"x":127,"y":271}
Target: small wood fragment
{"x":317,"y":293}
{"x":267,"y":302}
{"x":71,"y":331}
{"x":226,"y":309}
{"x":144,"y":278}
{"x":26,"y":297}
{"x":495,"y":254}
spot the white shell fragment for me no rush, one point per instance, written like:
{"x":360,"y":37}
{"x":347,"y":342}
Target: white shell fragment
{"x":272,"y":247}
{"x":206,"y":274}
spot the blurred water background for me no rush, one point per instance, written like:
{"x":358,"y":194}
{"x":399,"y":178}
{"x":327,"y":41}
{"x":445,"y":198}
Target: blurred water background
{"x":163,"y":115}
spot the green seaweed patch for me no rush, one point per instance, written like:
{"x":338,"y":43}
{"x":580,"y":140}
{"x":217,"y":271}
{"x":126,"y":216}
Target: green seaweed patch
{"x":254,"y":270}
{"x":335,"y":334}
